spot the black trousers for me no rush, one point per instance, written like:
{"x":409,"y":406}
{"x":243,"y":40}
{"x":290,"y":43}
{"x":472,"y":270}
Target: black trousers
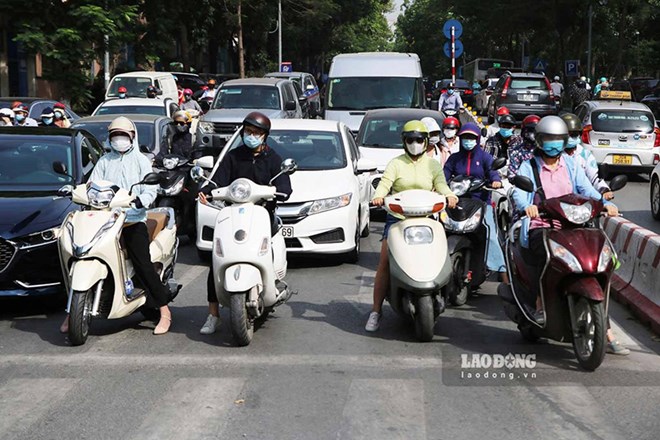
{"x":136,"y":239}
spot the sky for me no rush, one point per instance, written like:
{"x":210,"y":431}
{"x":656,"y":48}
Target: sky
{"x":391,"y":17}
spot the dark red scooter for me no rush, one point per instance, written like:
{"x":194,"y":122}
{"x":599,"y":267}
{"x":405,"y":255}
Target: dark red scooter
{"x":575,"y":282}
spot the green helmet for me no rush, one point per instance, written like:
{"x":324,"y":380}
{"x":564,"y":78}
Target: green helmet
{"x":414,"y":128}
{"x":573,"y":123}
{"x":411,"y":134}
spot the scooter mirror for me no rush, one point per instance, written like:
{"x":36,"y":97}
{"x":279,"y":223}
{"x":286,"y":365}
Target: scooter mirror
{"x":151,"y":179}
{"x":618,"y":182}
{"x":523,"y":183}
{"x":289,"y":166}
{"x":498,"y":163}
{"x":484,"y":133}
{"x":197,"y":174}
{"x":65,"y":191}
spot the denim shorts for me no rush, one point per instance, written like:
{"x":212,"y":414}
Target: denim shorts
{"x":389,"y":221}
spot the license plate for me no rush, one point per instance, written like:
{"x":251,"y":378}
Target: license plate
{"x":287,"y":231}
{"x":621,"y":159}
{"x":528,"y":97}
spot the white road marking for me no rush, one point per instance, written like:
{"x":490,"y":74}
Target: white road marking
{"x":193,"y":408}
{"x":363,"y":301}
{"x":191,"y":274}
{"x":24,"y":401}
{"x":384,"y":409}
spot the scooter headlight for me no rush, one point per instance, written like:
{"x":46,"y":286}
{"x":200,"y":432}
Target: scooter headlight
{"x":465,"y":226}
{"x":170,"y":163}
{"x":240,"y":191}
{"x":606,"y":256}
{"x":459,"y":187}
{"x":418,"y":235}
{"x":172,"y":190}
{"x":100,"y":198}
{"x":578,"y":214}
{"x":565,"y":255}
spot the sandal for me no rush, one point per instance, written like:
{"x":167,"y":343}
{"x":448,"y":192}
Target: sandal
{"x":162,"y":328}
{"x":64,"y":328}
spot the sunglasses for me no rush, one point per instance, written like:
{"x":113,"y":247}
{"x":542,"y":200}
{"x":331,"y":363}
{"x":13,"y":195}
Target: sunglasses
{"x":575,"y":133}
{"x":180,"y":123}
{"x":412,"y":140}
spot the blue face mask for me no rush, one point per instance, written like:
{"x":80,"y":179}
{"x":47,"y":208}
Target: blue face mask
{"x":47,"y":121}
{"x":506,"y":132}
{"x":252,"y":141}
{"x":122,"y":95}
{"x":553,"y":148}
{"x":450,"y":91}
{"x":468,"y":144}
{"x":20,"y":117}
{"x":573,"y":142}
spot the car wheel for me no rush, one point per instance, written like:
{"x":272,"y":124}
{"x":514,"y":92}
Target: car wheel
{"x":353,"y":256}
{"x":655,"y":198}
{"x":366,"y":231}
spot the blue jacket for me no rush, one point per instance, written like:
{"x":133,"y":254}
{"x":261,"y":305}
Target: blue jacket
{"x":480,"y":166}
{"x":579,"y":180}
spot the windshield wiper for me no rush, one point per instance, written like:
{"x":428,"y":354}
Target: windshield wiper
{"x":346,"y":108}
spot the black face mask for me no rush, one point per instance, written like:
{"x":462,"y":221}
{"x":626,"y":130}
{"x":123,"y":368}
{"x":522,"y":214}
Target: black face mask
{"x":182,"y":128}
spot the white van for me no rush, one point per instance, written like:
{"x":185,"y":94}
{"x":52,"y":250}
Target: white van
{"x":358,"y":82}
{"x":136,"y":84}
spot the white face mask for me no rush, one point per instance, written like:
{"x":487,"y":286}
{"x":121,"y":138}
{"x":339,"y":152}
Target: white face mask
{"x":449,"y":133}
{"x":434,"y":140}
{"x":121,"y":143}
{"x":416,"y":148}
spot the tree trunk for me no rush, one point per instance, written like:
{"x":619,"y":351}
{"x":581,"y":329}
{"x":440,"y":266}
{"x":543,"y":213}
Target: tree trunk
{"x":241,"y":54}
{"x":185,"y":51}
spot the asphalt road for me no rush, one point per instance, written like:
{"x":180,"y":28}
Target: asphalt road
{"x":634,"y":202}
{"x":312,"y":372}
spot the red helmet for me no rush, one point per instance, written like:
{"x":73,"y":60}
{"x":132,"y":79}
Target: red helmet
{"x":451,"y":122}
{"x":502,"y":111}
{"x":187,"y":92}
{"x":530,"y":121}
{"x":122,"y":89}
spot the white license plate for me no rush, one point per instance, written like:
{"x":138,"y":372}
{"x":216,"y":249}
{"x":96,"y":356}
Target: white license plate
{"x":528,"y":97}
{"x":287,"y":232}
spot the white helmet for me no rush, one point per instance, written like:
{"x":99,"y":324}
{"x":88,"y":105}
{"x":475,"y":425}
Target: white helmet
{"x":121,"y":126}
{"x":431,"y":124}
{"x":7,"y":113}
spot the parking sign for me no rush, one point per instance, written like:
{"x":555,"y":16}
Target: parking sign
{"x":572,"y":67}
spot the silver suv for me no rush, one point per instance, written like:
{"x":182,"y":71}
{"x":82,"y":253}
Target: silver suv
{"x":274,"y":97}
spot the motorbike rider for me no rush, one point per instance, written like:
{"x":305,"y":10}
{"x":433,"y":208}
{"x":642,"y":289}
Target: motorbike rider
{"x":180,"y":141}
{"x":602,"y":85}
{"x":411,"y":170}
{"x":47,"y":118}
{"x":188,"y":102}
{"x":579,"y":93}
{"x":59,"y":110}
{"x":450,"y":141}
{"x":450,"y":100}
{"x":557,"y":87}
{"x":493,"y":128}
{"x":7,"y":117}
{"x":124,"y":166}
{"x":525,"y":150}
{"x":21,"y":118}
{"x":505,"y":139}
{"x":122,"y":91}
{"x":471,"y":160}
{"x":211,"y":91}
{"x":558,"y":176}
{"x":435,"y":149}
{"x":152,"y":92}
{"x":253,"y":160}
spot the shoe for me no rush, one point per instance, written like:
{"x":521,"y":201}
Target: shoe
{"x":64,"y":328}
{"x":616,"y":347}
{"x":373,"y":322}
{"x":211,"y":325}
{"x":539,"y":317}
{"x":163,"y":325}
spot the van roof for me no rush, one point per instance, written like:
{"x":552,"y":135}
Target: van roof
{"x":377,"y":64}
{"x":147,"y":74}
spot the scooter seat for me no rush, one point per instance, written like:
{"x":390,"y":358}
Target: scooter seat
{"x":156,"y":222}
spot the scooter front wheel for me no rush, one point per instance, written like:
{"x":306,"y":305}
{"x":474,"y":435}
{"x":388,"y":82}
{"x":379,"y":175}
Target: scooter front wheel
{"x":80,"y":317}
{"x":242,"y":328}
{"x":458,"y":290}
{"x":590,"y":330}
{"x":424,"y":318}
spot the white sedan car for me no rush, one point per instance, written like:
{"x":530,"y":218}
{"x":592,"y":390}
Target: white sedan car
{"x":328,"y":210}
{"x":135,"y":106}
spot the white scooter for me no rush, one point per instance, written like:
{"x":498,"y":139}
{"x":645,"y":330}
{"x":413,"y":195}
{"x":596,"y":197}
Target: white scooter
{"x":420,"y":267}
{"x":97,"y":273}
{"x":248,"y":264}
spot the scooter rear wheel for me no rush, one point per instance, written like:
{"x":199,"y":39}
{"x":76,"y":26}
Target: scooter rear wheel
{"x":590,"y":324}
{"x":242,"y":328}
{"x":424,"y":318}
{"x":458,"y":291}
{"x":80,"y":317}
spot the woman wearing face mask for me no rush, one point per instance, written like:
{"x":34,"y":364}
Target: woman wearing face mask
{"x":47,"y":118}
{"x":471,"y":160}
{"x":499,"y":144}
{"x":188,"y":102}
{"x":253,"y":160}
{"x":60,"y":115}
{"x":412,"y":170}
{"x":558,"y":176}
{"x":525,"y":150}
{"x":435,"y":149}
{"x":449,"y":139}
{"x":180,"y":142}
{"x":125,"y":166}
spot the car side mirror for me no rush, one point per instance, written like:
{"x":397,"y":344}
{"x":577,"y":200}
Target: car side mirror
{"x":302,"y":99}
{"x":290,"y":106}
{"x":205,"y":162}
{"x":523,"y":183}
{"x":498,"y":163}
{"x":618,"y":182}
{"x":366,"y":166}
{"x":60,"y":168}
{"x":288,"y":166}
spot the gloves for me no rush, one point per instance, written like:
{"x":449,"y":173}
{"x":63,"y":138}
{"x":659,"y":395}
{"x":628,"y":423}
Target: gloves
{"x":137,"y":203}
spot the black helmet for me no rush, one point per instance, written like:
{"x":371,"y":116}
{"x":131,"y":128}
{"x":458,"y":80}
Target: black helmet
{"x":259,"y":120}
{"x":506,"y":119}
{"x":572,"y":122}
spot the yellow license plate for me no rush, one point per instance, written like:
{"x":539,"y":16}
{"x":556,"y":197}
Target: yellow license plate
{"x":619,"y":159}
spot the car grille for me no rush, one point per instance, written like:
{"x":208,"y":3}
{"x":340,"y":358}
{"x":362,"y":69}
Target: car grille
{"x":292,"y":243}
{"x":334,"y":236}
{"x":7,"y":251}
{"x":225,"y":128}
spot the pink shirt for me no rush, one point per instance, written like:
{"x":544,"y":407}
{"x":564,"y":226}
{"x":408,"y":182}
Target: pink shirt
{"x":556,"y":183}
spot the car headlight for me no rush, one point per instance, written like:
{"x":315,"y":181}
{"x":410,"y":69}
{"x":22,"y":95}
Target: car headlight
{"x":170,"y":163}
{"x":206,"y":127}
{"x":100,"y":198}
{"x":578,"y":214}
{"x":39,"y":238}
{"x":565,"y":255}
{"x":418,"y":235}
{"x":605,"y":258}
{"x":172,"y":190}
{"x":459,"y":187}
{"x":329,"y":204}
{"x":240,"y":190}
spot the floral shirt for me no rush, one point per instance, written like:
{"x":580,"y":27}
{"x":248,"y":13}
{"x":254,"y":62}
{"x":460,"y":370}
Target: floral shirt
{"x":497,"y":147}
{"x":518,"y":154}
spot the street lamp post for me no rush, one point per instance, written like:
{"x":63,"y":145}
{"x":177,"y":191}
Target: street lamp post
{"x":279,"y":33}
{"x":590,"y":15}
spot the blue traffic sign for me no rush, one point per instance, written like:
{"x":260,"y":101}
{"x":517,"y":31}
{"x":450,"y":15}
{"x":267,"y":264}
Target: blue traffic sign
{"x":572,"y":68}
{"x":458,"y":28}
{"x":458,"y":49}
{"x":540,"y":66}
{"x":286,"y":67}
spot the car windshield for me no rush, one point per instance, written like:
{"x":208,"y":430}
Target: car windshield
{"x":312,"y":150}
{"x":29,"y":161}
{"x":365,"y":93}
{"x":622,"y":121}
{"x":257,"y":97}
{"x":100,"y":131}
{"x":132,"y":110}
{"x":384,"y":133}
{"x":135,"y":86}
{"x":528,"y":84}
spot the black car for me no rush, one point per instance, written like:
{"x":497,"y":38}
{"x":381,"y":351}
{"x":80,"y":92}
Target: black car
{"x":523,"y":94}
{"x":32,"y":211}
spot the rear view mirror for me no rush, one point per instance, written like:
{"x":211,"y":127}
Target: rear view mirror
{"x":290,"y":106}
{"x":484,"y":133}
{"x":618,"y":182}
{"x":65,"y":191}
{"x":523,"y":183}
{"x":498,"y":163}
{"x":289,"y":166}
{"x":197,"y":174}
{"x":366,"y":166}
{"x":151,"y":179}
{"x":205,"y":162}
